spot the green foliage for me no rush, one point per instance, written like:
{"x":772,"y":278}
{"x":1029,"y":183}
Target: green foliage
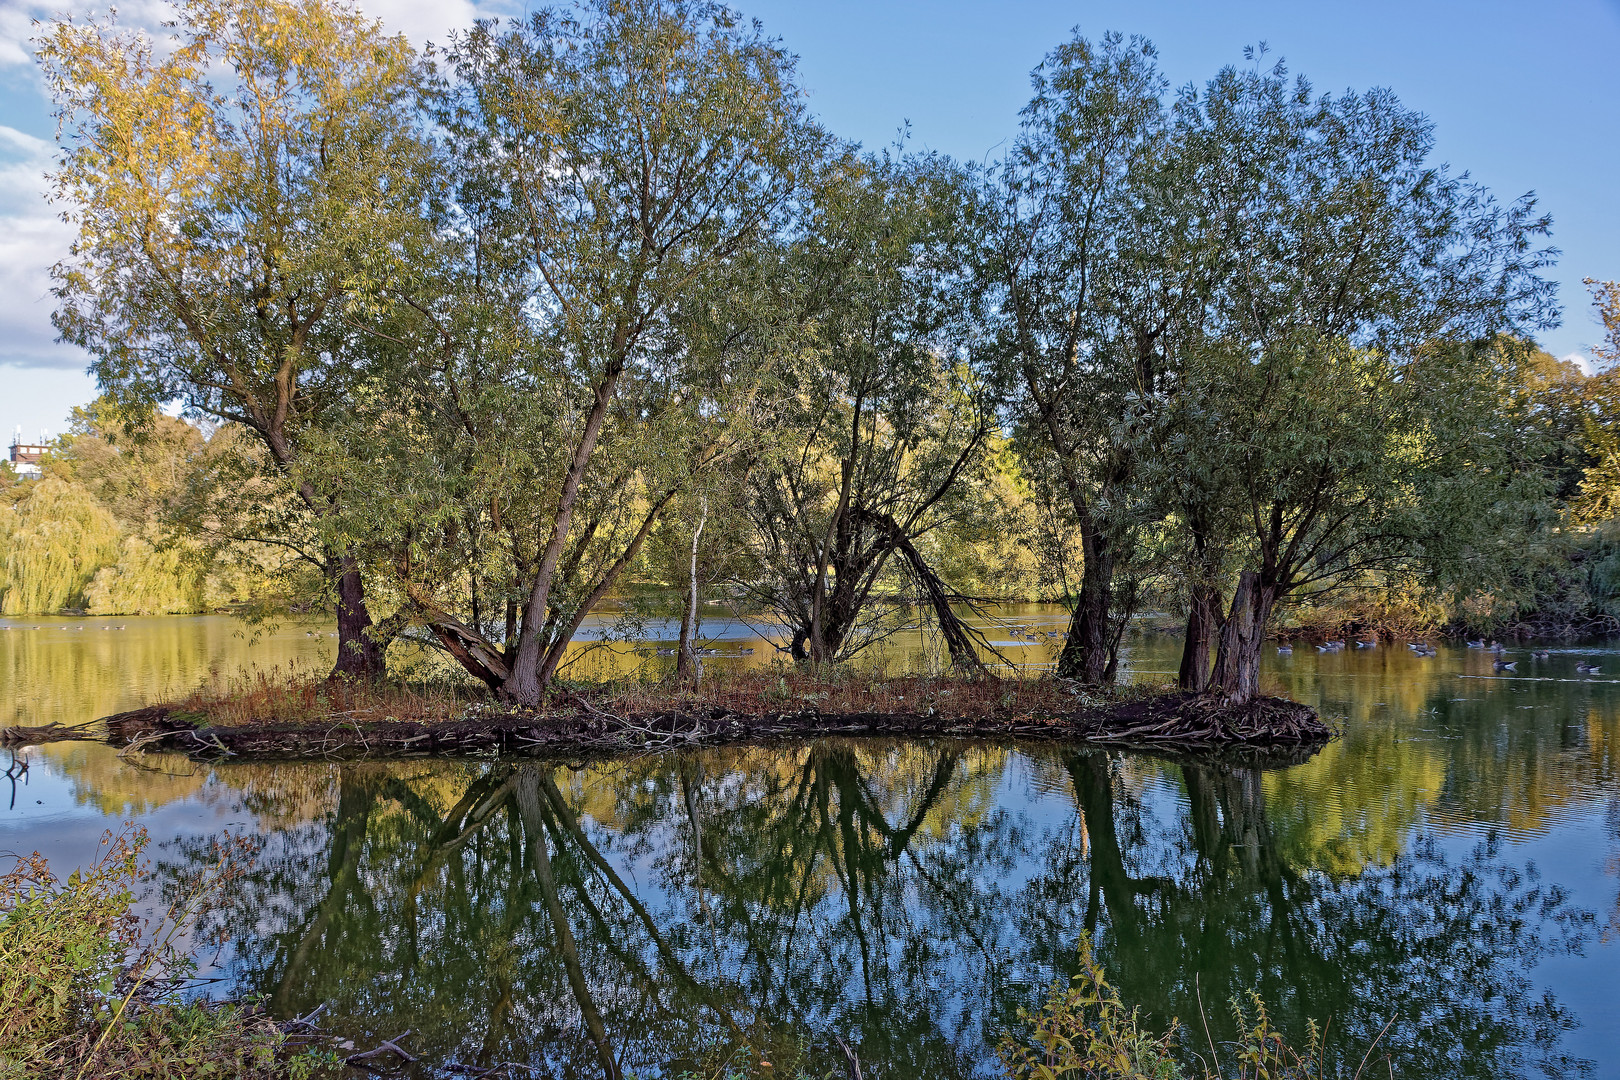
{"x":87,"y":990}
{"x":1085,"y":1032}
{"x":55,"y":537}
{"x":124,"y":521}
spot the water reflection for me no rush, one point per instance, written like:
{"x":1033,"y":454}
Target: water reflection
{"x":710,"y":910}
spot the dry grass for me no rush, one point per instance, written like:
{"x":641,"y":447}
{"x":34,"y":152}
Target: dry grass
{"x":286,"y":697}
{"x":278,"y":696}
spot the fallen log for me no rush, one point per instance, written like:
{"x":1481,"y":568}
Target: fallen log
{"x":52,"y":732}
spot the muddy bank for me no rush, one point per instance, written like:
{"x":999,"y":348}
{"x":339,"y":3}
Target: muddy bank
{"x":1173,"y":722}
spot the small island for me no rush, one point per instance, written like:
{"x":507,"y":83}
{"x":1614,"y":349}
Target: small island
{"x":744,"y":707}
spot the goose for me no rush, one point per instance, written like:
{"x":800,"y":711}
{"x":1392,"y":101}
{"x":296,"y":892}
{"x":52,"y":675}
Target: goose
{"x":1542,"y":655}
{"x":665,"y":651}
{"x":1428,"y":650}
{"x":1503,"y":665}
{"x":745,"y":652}
{"x":1285,"y":650}
{"x":1324,"y":648}
{"x":1480,"y":644}
{"x":1336,"y":644}
{"x":1583,"y":668}
{"x":1366,"y":644}
{"x":1498,"y":648}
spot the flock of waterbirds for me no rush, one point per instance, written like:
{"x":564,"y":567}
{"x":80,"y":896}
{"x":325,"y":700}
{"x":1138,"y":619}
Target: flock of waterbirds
{"x":80,"y":627}
{"x":1423,"y":648}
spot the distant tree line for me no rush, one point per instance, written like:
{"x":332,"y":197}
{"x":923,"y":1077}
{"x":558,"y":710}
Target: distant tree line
{"x":589,"y":297}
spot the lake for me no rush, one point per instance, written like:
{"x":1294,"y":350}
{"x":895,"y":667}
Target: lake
{"x":1449,"y":868}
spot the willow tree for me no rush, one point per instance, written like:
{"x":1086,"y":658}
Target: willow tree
{"x":53,"y":538}
{"x":229,"y":188}
{"x":884,"y":421}
{"x":1347,"y":414}
{"x":619,"y":168}
{"x":1079,"y":325}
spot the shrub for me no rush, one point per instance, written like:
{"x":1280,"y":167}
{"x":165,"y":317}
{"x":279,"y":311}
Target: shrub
{"x":1084,"y":1032}
{"x":88,"y":991}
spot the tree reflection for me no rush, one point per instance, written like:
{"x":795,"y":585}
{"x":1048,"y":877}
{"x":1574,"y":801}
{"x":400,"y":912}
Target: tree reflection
{"x":702,"y":912}
{"x":1437,"y":945}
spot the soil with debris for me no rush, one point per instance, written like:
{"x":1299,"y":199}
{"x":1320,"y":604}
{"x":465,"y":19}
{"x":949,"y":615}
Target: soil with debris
{"x":1172,"y":722}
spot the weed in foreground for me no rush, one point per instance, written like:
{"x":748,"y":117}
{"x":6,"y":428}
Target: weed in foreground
{"x":1085,"y":1032}
{"x":88,"y":991}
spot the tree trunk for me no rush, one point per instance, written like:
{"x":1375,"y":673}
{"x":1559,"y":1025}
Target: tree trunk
{"x":1085,"y":653}
{"x":1237,"y":664}
{"x":1203,"y":624}
{"x":526,"y":683}
{"x":959,"y":637}
{"x":509,"y":645}
{"x":688,"y":668}
{"x":360,"y":656}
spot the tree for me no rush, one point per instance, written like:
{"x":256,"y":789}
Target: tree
{"x":221,"y":228}
{"x":1078,"y":327}
{"x":619,"y":169}
{"x":1598,"y":498}
{"x":1349,"y":408}
{"x":883,"y":420}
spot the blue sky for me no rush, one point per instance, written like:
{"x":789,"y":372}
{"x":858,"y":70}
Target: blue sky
{"x":1524,"y":96}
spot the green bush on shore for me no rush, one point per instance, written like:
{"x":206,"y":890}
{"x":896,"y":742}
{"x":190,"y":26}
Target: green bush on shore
{"x":88,"y":991}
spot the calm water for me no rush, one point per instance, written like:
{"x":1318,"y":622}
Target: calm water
{"x":1451,"y":867}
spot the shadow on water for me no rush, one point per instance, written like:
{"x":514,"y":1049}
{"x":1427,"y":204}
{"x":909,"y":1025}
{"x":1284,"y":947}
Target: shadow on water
{"x":700,"y":911}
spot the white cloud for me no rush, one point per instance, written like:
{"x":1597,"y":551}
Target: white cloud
{"x":423,"y":21}
{"x":420,"y":20}
{"x":31,"y":240}
{"x":1583,"y":360}
{"x":15,"y":27}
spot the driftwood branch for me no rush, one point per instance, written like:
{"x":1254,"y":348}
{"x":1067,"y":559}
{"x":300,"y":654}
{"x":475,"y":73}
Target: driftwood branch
{"x":388,"y":1046}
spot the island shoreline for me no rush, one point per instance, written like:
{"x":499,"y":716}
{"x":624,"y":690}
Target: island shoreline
{"x":1200,"y":725}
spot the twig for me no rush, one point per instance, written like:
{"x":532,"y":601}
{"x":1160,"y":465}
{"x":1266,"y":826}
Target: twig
{"x":849,"y":1055}
{"x":389,"y":1046}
